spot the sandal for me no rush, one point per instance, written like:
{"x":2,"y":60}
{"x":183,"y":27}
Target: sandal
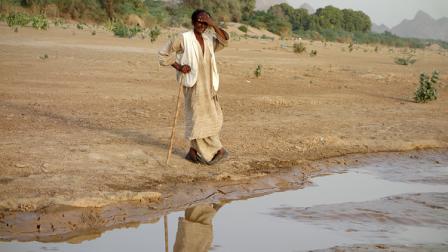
{"x":193,"y":157}
{"x":220,"y":155}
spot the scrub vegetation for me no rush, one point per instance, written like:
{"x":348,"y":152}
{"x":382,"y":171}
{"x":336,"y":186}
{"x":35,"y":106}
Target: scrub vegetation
{"x":326,"y":24}
{"x":405,"y":61}
{"x":299,"y":48}
{"x":122,"y":30}
{"x":257,"y":71}
{"x":427,"y":90}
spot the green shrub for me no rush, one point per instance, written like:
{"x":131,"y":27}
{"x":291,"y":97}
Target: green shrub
{"x":18,"y":19}
{"x":235,"y":36}
{"x":154,"y":34}
{"x":109,"y":25}
{"x":350,"y":47}
{"x":123,"y":31}
{"x":120,"y":30}
{"x":134,"y":30}
{"x":257,"y":71}
{"x":246,"y":36}
{"x":427,"y":91}
{"x":267,"y":37}
{"x":299,"y":47}
{"x":409,"y":60}
{"x":58,"y":22}
{"x":40,"y":22}
{"x":80,"y":26}
{"x":2,"y":17}
{"x":243,"y":28}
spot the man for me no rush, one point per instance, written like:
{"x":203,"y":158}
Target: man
{"x":195,"y":230}
{"x":192,"y":54}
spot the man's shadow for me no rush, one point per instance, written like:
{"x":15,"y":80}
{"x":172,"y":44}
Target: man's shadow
{"x":130,"y":135}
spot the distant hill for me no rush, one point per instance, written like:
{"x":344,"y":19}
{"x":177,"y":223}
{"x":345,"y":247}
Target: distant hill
{"x":307,"y":7}
{"x":379,"y":28}
{"x":265,"y":4}
{"x":423,"y":26}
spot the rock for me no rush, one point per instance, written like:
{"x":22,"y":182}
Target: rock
{"x":134,"y":20}
{"x":84,"y":148}
{"x":21,"y":165}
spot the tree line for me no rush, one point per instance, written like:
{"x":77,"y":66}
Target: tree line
{"x":284,"y":20}
{"x":328,"y":23}
{"x":281,"y":19}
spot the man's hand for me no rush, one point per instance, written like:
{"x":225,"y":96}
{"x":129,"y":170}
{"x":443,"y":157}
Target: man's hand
{"x":185,"y":69}
{"x":204,"y":18}
{"x":182,"y":68}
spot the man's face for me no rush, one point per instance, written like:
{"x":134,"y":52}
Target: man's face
{"x":198,"y":26}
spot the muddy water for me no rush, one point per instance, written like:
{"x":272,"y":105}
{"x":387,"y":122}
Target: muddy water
{"x":401,"y":204}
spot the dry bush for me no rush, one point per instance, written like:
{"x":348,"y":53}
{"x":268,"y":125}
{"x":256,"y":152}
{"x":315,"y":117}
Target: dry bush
{"x":299,"y":48}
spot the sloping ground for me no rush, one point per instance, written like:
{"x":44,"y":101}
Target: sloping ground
{"x":251,"y":31}
{"x":90,"y":123}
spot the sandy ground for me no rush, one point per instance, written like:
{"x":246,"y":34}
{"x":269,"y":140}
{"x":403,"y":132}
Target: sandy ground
{"x":90,"y":124}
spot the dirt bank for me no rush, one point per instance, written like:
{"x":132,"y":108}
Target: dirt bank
{"x":85,"y":120}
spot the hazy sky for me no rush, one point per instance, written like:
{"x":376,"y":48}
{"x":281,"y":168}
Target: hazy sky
{"x":388,"y":12}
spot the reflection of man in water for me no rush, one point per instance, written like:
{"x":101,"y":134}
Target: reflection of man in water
{"x":195,"y":231}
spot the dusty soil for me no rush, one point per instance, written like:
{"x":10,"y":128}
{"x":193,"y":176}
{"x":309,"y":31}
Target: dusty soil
{"x":89,"y":124}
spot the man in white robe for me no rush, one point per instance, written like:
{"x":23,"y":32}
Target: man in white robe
{"x":192,"y":54}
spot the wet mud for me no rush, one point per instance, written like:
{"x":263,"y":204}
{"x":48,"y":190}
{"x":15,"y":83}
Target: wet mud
{"x":367,"y":214}
{"x":63,"y":223}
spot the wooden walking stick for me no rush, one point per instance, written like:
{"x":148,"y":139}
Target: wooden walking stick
{"x":173,"y":131}
{"x":175,"y":120}
{"x":165,"y":224}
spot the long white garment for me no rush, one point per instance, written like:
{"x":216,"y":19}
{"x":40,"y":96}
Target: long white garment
{"x":203,"y":115}
{"x":191,"y":57}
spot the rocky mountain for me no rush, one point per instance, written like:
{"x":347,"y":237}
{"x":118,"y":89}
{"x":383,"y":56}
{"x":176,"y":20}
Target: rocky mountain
{"x":308,"y":7}
{"x":265,"y":4}
{"x":423,"y":26}
{"x":379,"y":28}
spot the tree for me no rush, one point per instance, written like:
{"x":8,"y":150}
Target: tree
{"x":223,"y":10}
{"x":109,"y":6}
{"x":279,"y":26}
{"x":300,"y":20}
{"x":330,"y":17}
{"x":282,"y":11}
{"x":356,"y":21}
{"x":247,"y":8}
{"x":313,"y":23}
{"x":258,"y":19}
